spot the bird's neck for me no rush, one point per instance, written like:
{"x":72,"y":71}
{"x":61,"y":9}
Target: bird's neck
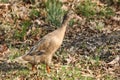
{"x":65,"y":23}
{"x":62,"y":29}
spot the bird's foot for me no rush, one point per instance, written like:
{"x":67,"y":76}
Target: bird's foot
{"x":34,"y":68}
{"x":48,"y":69}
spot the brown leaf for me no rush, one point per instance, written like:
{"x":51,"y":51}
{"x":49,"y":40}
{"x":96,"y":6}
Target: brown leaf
{"x":114,"y":61}
{"x":4,"y":50}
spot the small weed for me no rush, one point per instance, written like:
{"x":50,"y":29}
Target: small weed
{"x":86,"y":8}
{"x":34,"y":13}
{"x":54,"y":12}
{"x":25,"y":25}
{"x":97,"y":56}
{"x":71,"y":23}
{"x":100,"y":26}
{"x":108,"y":77}
{"x":87,"y":78}
{"x":107,"y":12}
{"x":35,"y":32}
{"x":13,"y":56}
{"x":21,"y":34}
{"x":97,"y":59}
{"x":111,"y":2}
{"x":23,"y":72}
{"x":99,"y":49}
{"x":83,"y":45}
{"x":69,"y":73}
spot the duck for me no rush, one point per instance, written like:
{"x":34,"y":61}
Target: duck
{"x":45,"y":48}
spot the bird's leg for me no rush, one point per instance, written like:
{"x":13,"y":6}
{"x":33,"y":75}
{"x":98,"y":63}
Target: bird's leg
{"x":47,"y":68}
{"x":34,"y":67}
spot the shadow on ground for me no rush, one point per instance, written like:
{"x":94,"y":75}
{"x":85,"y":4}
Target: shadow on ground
{"x":5,"y":67}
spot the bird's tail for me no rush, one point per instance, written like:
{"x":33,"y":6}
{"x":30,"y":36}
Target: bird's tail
{"x":20,"y":60}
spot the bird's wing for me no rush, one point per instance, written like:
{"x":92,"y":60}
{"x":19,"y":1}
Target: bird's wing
{"x":40,"y":47}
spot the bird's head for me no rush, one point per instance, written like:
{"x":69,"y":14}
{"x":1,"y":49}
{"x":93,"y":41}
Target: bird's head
{"x":70,"y":15}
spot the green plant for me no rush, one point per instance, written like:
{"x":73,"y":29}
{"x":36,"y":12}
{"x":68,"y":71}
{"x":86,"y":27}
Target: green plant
{"x":86,"y":8}
{"x":97,"y":59}
{"x":97,"y":56}
{"x":34,"y":13}
{"x":21,"y":34}
{"x":111,"y":2}
{"x":35,"y":32}
{"x":71,"y":23}
{"x":99,"y":26}
{"x":13,"y":56}
{"x":107,"y":12}
{"x":54,"y":12}
{"x":108,"y":77}
{"x":87,"y":78}
{"x":4,"y":1}
{"x":118,"y":1}
{"x":23,"y":72}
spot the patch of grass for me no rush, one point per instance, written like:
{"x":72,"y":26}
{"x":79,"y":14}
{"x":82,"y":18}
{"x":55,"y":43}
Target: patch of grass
{"x":108,"y":77}
{"x":83,"y":45}
{"x":23,"y":72}
{"x":13,"y":56}
{"x":99,"y":49}
{"x":96,"y":57}
{"x":71,"y":23}
{"x":100,"y":26}
{"x":86,"y":78}
{"x":25,"y":25}
{"x":89,"y":9}
{"x":34,"y":13}
{"x":54,"y":12}
{"x":35,"y":32}
{"x":111,"y":2}
{"x":21,"y":34}
{"x":67,"y":72}
{"x":4,"y":1}
{"x":107,"y":12}
{"x":86,"y":8}
{"x":17,"y":73}
{"x":97,"y":60}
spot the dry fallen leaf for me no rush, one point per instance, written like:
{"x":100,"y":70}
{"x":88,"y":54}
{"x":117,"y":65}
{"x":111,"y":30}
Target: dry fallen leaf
{"x":116,"y":60}
{"x":4,"y":51}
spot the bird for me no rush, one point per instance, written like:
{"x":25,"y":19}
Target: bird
{"x":45,"y":48}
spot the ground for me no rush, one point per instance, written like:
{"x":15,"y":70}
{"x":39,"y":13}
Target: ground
{"x":90,"y":50}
